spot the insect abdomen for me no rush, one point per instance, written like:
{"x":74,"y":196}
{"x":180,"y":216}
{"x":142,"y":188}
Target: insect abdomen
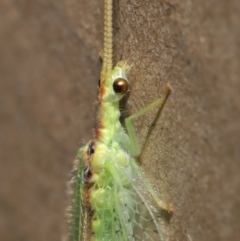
{"x":111,"y":197}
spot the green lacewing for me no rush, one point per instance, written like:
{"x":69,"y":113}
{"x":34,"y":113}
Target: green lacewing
{"x":112,"y":200}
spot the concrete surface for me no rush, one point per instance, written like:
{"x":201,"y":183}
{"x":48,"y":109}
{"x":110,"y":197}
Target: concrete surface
{"x":49,"y":70}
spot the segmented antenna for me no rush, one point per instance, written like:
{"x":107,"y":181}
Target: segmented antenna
{"x":107,"y":38}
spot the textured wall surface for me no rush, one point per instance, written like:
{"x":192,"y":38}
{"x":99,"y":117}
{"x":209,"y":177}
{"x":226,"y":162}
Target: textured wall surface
{"x":49,"y":70}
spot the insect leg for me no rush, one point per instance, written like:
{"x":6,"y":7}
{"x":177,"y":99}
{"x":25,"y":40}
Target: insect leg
{"x":135,"y":149}
{"x":129,"y":126}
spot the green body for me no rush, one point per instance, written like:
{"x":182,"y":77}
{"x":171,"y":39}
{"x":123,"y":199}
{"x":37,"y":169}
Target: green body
{"x":111,"y":198}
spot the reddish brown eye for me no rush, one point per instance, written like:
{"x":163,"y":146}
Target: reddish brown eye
{"x":120,"y":86}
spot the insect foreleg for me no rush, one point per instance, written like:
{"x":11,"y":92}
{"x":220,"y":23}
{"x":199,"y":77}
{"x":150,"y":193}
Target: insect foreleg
{"x":135,"y":151}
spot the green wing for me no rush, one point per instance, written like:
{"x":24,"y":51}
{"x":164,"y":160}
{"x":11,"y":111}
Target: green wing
{"x":77,"y":202}
{"x":147,"y":213}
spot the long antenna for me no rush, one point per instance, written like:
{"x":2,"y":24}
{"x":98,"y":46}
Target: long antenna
{"x":107,"y":39}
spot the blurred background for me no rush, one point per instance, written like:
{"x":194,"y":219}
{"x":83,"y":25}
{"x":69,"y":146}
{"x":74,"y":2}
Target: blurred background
{"x":49,"y":72}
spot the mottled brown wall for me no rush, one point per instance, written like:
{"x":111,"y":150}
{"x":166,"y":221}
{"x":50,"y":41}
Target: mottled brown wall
{"x":49,"y":69}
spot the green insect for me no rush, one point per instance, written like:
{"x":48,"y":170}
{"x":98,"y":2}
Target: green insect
{"x":113,"y":201}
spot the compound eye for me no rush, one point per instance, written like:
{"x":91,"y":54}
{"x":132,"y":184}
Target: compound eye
{"x":120,"y":86}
